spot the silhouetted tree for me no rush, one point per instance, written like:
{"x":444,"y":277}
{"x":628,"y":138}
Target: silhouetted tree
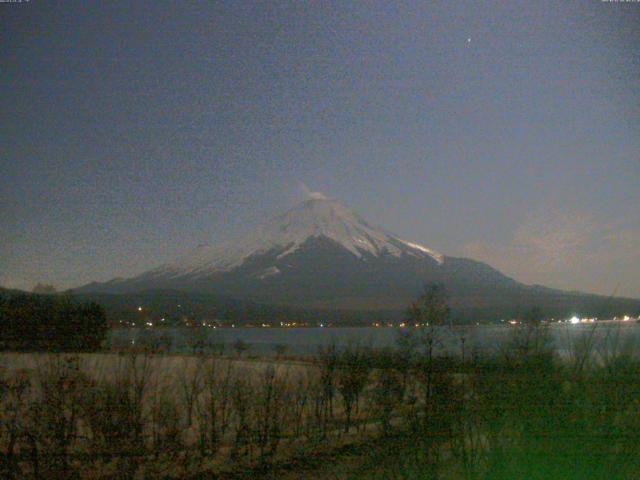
{"x":52,"y":323}
{"x":431,"y":307}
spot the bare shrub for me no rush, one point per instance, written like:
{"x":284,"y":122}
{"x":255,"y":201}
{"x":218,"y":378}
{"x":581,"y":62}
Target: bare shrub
{"x":327,"y":361}
{"x":271,"y":411}
{"x":112,"y":420}
{"x":136,"y":375}
{"x":55,"y":413}
{"x":15,"y":391}
{"x":214,"y":408}
{"x":191,"y":385}
{"x":353,"y":366}
{"x":389,"y":388}
{"x":242,"y":392}
{"x":302,"y":386}
{"x":168,"y":427}
{"x":109,"y":415}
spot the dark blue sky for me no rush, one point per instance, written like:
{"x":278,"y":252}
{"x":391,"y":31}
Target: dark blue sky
{"x":505,"y":131}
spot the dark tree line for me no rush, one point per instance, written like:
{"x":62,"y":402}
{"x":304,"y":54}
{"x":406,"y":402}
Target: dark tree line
{"x":30,"y":322}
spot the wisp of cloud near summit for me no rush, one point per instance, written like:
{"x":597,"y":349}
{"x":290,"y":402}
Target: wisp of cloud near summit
{"x":311,"y":194}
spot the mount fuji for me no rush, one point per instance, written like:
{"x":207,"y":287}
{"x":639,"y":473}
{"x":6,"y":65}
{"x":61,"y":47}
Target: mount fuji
{"x":322,"y":255}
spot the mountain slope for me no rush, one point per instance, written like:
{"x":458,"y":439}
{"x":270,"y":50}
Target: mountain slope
{"x":322,"y":255}
{"x":286,"y":233}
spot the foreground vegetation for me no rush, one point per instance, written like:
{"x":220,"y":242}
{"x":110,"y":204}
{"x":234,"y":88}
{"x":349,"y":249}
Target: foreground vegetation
{"x":408,"y":412}
{"x":518,"y":413}
{"x":55,"y":323}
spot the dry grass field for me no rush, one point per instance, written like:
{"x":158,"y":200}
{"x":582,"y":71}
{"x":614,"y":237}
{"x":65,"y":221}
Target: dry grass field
{"x":131,"y":414}
{"x":521,"y":412}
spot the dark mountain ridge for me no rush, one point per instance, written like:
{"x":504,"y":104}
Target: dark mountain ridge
{"x":320,"y":256}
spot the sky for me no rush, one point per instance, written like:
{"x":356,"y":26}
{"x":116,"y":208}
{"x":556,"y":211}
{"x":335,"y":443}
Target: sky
{"x":508,"y":132}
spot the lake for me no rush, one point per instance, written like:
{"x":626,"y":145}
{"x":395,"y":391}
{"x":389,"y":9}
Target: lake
{"x":304,"y":341}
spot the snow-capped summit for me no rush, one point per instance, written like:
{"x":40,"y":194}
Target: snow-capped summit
{"x":317,"y":253}
{"x":322,"y":255}
{"x":316,"y":217}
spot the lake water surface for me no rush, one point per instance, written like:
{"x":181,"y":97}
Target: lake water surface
{"x":303,"y":341}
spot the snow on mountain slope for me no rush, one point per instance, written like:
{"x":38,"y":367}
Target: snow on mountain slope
{"x":321,"y":255}
{"x":285,"y":233}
